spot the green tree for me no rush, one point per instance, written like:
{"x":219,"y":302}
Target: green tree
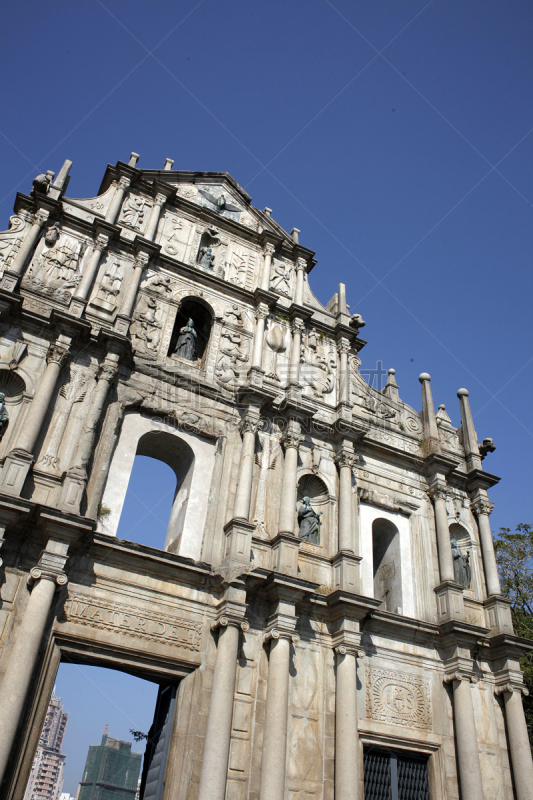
{"x":514,"y":556}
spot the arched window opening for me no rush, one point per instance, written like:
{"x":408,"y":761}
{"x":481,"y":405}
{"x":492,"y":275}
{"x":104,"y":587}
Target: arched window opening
{"x":386,"y":565}
{"x":194,"y":346}
{"x":156,"y":501}
{"x":462,"y":560}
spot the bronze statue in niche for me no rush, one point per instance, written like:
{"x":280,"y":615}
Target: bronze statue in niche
{"x":186,"y":344}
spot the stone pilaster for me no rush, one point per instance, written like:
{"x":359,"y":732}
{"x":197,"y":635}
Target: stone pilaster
{"x":261,"y":314}
{"x":11,"y":276}
{"x":18,"y":462}
{"x":297,"y":327}
{"x":345,"y":459}
{"x":265,"y":275}
{"x":155,"y":213}
{"x":438,"y":492}
{"x":249,"y":427}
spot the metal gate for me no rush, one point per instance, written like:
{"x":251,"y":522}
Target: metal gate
{"x":395,"y":776}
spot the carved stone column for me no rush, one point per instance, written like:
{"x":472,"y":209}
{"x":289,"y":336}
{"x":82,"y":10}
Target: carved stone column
{"x":345,"y":460}
{"x":11,"y":275}
{"x":19,"y":460}
{"x":438,"y":493}
{"x":86,"y":284}
{"x":128,"y":302}
{"x":482,"y":507}
{"x":346,"y":727}
{"x":116,"y":203}
{"x":343,"y":347}
{"x":155,"y":213}
{"x":218,"y":733}
{"x":277,"y":708}
{"x":76,"y":478}
{"x":44,"y":580}
{"x":300,"y":272}
{"x":291,"y":439}
{"x":249,"y":427}
{"x":297,"y":326}
{"x":259,"y":336}
{"x":518,"y":739}
{"x":465,"y":736}
{"x":265,"y":276}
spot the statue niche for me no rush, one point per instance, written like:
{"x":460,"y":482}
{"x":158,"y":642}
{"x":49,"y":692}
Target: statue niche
{"x":209,"y":241}
{"x":192,"y":328}
{"x":312,"y":494}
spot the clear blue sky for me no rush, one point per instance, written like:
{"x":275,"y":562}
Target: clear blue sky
{"x":397,"y":136}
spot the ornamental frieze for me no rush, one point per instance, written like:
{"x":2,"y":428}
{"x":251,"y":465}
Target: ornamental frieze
{"x":133,"y":621}
{"x":398,"y":698}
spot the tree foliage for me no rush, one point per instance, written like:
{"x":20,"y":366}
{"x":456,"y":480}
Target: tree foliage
{"x":514,"y":556}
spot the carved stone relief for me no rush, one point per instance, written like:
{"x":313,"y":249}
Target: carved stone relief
{"x":145,"y":330}
{"x":74,"y":391}
{"x":10,"y":241}
{"x":233,"y":354}
{"x":318,"y":364}
{"x":109,"y":286}
{"x":54,"y":270}
{"x":135,"y":212}
{"x":281,"y":277}
{"x":398,"y":698}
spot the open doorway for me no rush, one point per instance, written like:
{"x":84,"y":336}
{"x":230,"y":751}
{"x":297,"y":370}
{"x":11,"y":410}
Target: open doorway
{"x":105,"y":731}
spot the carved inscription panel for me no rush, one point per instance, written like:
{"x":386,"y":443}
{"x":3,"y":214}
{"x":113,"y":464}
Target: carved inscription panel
{"x":398,"y":698}
{"x":131,"y":621}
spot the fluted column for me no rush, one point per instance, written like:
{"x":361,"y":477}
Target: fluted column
{"x":24,"y":654}
{"x":218,"y":732}
{"x":292,"y":439}
{"x":346,"y":727}
{"x":296,"y":351}
{"x":243,"y":496}
{"x":257,"y":353}
{"x":438,"y":493}
{"x":466,"y":737}
{"x":11,"y":275}
{"x":155,"y":213}
{"x":518,"y":740}
{"x":89,"y":275}
{"x":273,"y":761}
{"x":345,"y":460}
{"x":265,"y":275}
{"x":482,"y":507}
{"x":300,"y":272}
{"x":116,"y":203}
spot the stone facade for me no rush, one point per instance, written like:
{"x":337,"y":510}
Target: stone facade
{"x":290,"y":660}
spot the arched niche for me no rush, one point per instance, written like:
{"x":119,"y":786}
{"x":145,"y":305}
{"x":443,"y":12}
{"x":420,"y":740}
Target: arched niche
{"x":188,"y":455}
{"x":14,"y":387}
{"x":387,"y":565}
{"x":465,"y":545}
{"x":201,"y":314}
{"x":368,"y":514}
{"x":313,"y":487}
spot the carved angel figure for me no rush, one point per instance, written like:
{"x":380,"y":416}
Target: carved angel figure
{"x":134,"y":211}
{"x":111,"y":281}
{"x":219,"y":203}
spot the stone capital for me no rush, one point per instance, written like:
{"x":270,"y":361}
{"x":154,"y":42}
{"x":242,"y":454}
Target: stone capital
{"x":301,"y":264}
{"x":438,"y":491}
{"x":250,"y":424}
{"x":231,"y":619}
{"x":350,"y":649}
{"x":481,"y":506}
{"x":123,"y":183}
{"x":292,"y":438}
{"x":159,"y":199}
{"x":343,"y":345}
{"x":460,"y":675}
{"x":345,"y":457}
{"x":57,"y":354}
{"x":108,"y":372}
{"x":281,"y":633}
{"x":297,"y":325}
{"x":41,"y":217}
{"x":262,"y":311}
{"x":37,"y":574}
{"x":101,"y":242}
{"x":511,"y":687}
{"x":269,"y":249}
{"x":141,"y":260}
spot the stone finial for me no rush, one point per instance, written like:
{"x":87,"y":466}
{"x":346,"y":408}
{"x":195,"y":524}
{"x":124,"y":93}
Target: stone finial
{"x":268,"y":211}
{"x":391,"y":387}
{"x":295,"y":233}
{"x":428,"y":409}
{"x":134,"y":157}
{"x":169,"y":163}
{"x":471,"y":447}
